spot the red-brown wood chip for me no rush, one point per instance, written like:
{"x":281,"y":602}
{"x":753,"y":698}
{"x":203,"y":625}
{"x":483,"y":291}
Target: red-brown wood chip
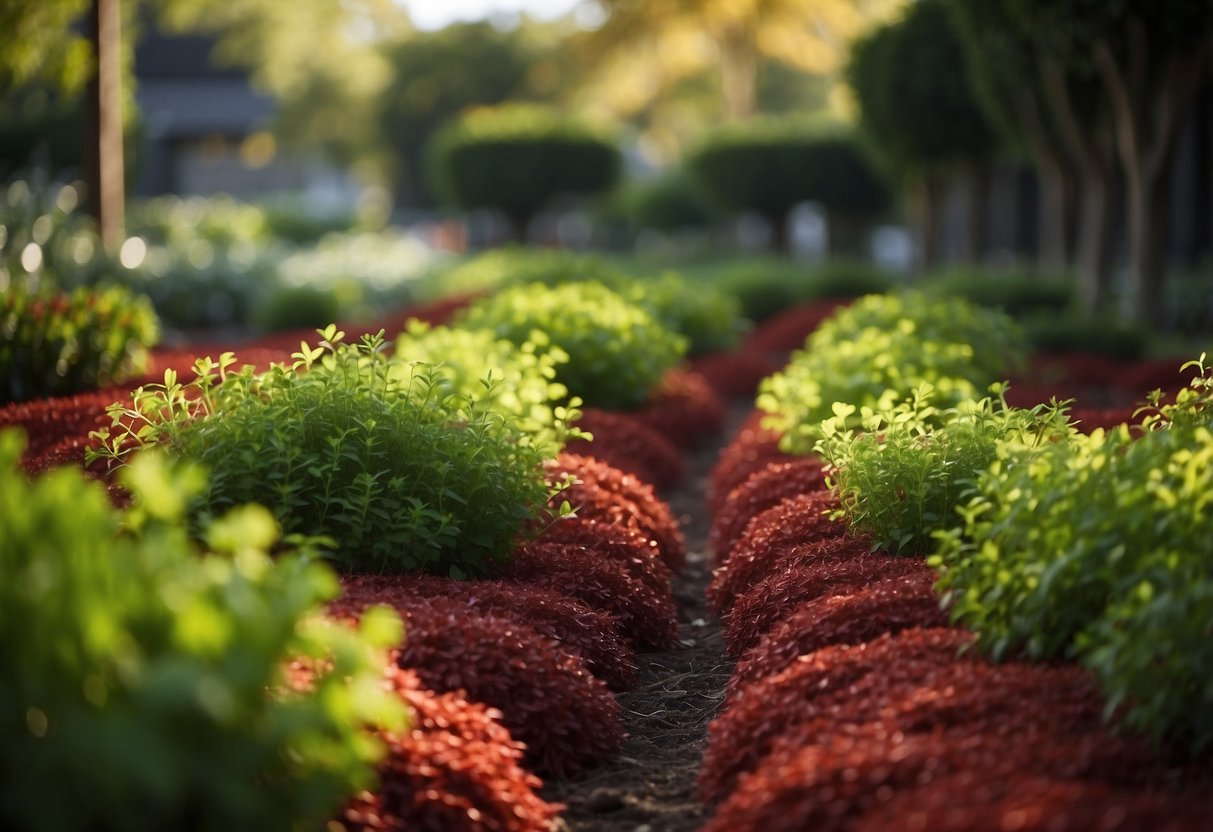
{"x":764,"y":489}
{"x":751,"y":449}
{"x":640,"y":554}
{"x":629,"y":445}
{"x":887,"y":606}
{"x":737,"y":374}
{"x":684,"y":408}
{"x":455,"y":769}
{"x":771,"y":600}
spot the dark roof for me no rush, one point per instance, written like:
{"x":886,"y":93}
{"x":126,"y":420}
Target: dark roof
{"x":179,"y":56}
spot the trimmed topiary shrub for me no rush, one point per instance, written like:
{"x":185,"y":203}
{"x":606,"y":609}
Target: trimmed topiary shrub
{"x":876,"y":352}
{"x":146,"y":680}
{"x":400,"y":474}
{"x":58,"y":343}
{"x":684,"y":408}
{"x":617,"y":351}
{"x":624,"y":442}
{"x":515,"y":158}
{"x":763,"y":490}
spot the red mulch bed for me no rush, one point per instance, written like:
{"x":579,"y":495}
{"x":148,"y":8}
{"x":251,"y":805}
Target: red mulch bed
{"x":455,"y":769}
{"x":567,"y":718}
{"x":771,"y":600}
{"x":684,"y":408}
{"x":646,"y":617}
{"x":887,"y":606}
{"x":582,"y":631}
{"x":737,"y":374}
{"x":788,"y":330}
{"x":750,"y":450}
{"x":640,"y":554}
{"x":763,"y":490}
{"x":630,"y":445}
{"x":779,"y":538}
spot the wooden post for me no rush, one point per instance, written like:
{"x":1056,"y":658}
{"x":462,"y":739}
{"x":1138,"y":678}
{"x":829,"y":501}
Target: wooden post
{"x":103,"y":164}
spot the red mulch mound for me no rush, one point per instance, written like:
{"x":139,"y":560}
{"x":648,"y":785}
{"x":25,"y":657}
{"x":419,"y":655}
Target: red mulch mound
{"x":914,"y":683}
{"x":640,"y":554}
{"x":646,"y":618}
{"x":771,"y":600}
{"x":48,"y":422}
{"x":585,"y":632}
{"x":1089,"y":419}
{"x":788,"y":330}
{"x":777,"y":538}
{"x":455,"y":769}
{"x":828,"y":785}
{"x":182,"y":359}
{"x":1142,"y":377}
{"x":736,"y":374}
{"x":568,"y":719}
{"x":764,"y":489}
{"x":654,"y":511}
{"x":1030,"y":395}
{"x":751,"y":449}
{"x":887,"y":606}
{"x":986,"y":799}
{"x":1074,"y":369}
{"x":595,"y":502}
{"x":629,"y":445}
{"x":684,"y":408}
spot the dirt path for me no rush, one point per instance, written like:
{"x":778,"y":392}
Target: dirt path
{"x":651,"y":785}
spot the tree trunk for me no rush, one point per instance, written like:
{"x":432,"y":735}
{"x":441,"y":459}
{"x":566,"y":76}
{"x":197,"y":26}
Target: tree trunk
{"x":978,"y":209}
{"x":518,"y":223}
{"x":781,"y":236}
{"x":1091,"y":255}
{"x":1056,"y":194}
{"x":738,"y":74}
{"x":1148,"y":110}
{"x":103,"y":168}
{"x":929,"y":197}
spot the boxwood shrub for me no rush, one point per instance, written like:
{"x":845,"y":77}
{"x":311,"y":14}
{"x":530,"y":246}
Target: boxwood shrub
{"x":143,"y":682}
{"x":617,"y":350}
{"x":1101,"y":548}
{"x":399,"y":471}
{"x":878,"y":351}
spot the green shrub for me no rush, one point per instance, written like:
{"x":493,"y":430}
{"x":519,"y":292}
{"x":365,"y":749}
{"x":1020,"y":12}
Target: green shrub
{"x":1018,"y":293}
{"x":523,"y":376}
{"x":1059,"y":333}
{"x":902,"y":477}
{"x":1101,"y":548}
{"x":296,"y":307}
{"x":403,"y":475}
{"x":765,"y":287}
{"x":512,"y":265}
{"x":516,"y":158}
{"x":46,"y":238}
{"x":617,"y":350}
{"x":770,"y":166}
{"x":143,"y":684}
{"x":669,"y":203}
{"x":53,"y":344}
{"x":876,"y":352}
{"x":180,"y":222}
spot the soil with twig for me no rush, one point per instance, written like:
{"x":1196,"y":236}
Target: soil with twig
{"x":650,"y":786}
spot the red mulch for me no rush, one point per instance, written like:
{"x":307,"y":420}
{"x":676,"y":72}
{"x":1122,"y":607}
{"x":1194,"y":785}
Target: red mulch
{"x":887,"y":606}
{"x":771,"y":600}
{"x":789,"y":329}
{"x":684,"y":408}
{"x":630,"y":445}
{"x":737,"y":374}
{"x":779,"y":537}
{"x":750,"y":450}
{"x":567,"y":718}
{"x":456,"y":769}
{"x":646,"y":617}
{"x":638,"y":553}
{"x":582,"y":631}
{"x":1089,"y":419}
{"x":763,"y":490}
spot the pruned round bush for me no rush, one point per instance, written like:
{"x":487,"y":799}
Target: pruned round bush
{"x":766,"y":603}
{"x":737,"y":373}
{"x":684,"y":408}
{"x":772,"y":537}
{"x":769,"y":166}
{"x":751,"y":449}
{"x":144,"y":679}
{"x":515,"y":158}
{"x":548,"y":700}
{"x":889,"y":605}
{"x":401,"y":474}
{"x":618,"y":352}
{"x":768,"y":286}
{"x":456,"y":769}
{"x":520,"y":378}
{"x":57,"y":343}
{"x":610,"y":541}
{"x":878,"y":351}
{"x":582,"y":631}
